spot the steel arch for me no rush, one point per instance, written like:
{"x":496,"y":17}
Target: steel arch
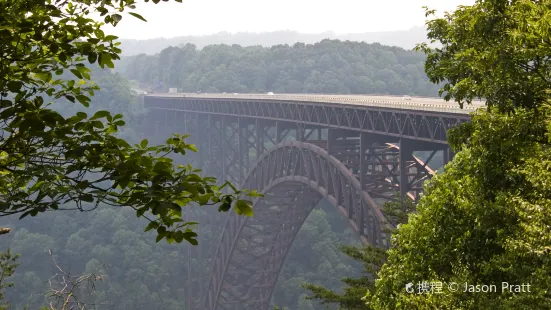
{"x":252,"y":250}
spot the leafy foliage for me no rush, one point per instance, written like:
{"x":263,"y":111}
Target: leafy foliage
{"x":330,"y":66}
{"x":487,"y":218}
{"x":7,"y":266}
{"x":372,"y":259}
{"x":142,"y":274}
{"x":52,"y":162}
{"x":406,"y":39}
{"x":495,"y":49}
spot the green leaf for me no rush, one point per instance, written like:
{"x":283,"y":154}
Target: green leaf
{"x":82,"y":69}
{"x":243,"y":207}
{"x":5,"y":103}
{"x":140,"y":212}
{"x":84,"y":100}
{"x":179,"y":236}
{"x":143,"y":144}
{"x":255,"y":194}
{"x":225,"y":206}
{"x":86,"y":197}
{"x":92,"y":57}
{"x":100,"y":114}
{"x":117,"y":18}
{"x":150,"y":226}
{"x":44,"y":76}
{"x":110,"y":38}
{"x":137,"y":16}
{"x":76,"y":73}
{"x":14,"y":86}
{"x":70,"y":98}
{"x":191,"y":147}
{"x":104,"y":59}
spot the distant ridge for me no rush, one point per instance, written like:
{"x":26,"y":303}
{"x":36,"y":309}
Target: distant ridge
{"x":406,"y":39}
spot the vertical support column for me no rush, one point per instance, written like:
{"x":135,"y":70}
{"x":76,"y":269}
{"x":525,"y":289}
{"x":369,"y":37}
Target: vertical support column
{"x":209,"y":151}
{"x":189,"y":286}
{"x":300,"y":133}
{"x":360,"y":215}
{"x":200,"y":142}
{"x":278,"y":132}
{"x":240,"y":149}
{"x":405,"y":155}
{"x":331,"y":137}
{"x":364,"y":140}
{"x":156,"y":118}
{"x":259,"y":138}
{"x":201,"y":271}
{"x":185,"y":123}
{"x":446,"y":157}
{"x":223,"y":143}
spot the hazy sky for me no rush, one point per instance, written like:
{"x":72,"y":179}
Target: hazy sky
{"x":201,"y":17}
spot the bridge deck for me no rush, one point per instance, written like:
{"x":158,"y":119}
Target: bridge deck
{"x":397,"y":102}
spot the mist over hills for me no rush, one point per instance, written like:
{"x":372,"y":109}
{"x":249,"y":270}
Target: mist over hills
{"x":406,"y":39}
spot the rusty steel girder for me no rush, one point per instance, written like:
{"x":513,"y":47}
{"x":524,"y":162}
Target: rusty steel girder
{"x":294,"y":176}
{"x":384,"y":173}
{"x":412,"y":124}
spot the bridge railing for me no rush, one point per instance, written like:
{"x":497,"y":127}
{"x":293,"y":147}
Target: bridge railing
{"x":423,"y":104}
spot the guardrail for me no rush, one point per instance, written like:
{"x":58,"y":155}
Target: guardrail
{"x":377,"y":101}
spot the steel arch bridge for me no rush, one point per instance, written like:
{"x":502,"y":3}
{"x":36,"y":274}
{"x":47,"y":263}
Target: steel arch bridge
{"x":297,"y":150}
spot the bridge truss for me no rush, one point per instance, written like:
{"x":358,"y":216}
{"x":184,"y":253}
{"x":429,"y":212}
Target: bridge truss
{"x":297,"y":153}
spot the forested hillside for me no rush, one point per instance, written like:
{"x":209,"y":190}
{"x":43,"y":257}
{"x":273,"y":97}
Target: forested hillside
{"x":330,"y":66}
{"x":404,"y":38}
{"x":142,"y":274}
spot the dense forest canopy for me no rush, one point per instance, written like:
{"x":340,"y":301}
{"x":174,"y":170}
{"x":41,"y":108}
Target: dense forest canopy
{"x":141,"y":274}
{"x":329,"y":66}
{"x":403,"y":38}
{"x":487,"y":219}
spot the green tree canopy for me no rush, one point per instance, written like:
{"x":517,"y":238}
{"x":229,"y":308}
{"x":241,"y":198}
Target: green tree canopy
{"x":51,"y":162}
{"x":498,"y":50}
{"x":329,"y":66}
{"x":487,"y":219}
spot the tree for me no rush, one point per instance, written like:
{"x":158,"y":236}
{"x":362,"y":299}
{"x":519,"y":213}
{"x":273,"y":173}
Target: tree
{"x":7,"y":266}
{"x":330,"y":66}
{"x":486,"y":219}
{"x":52,"y":162}
{"x":371,"y":258}
{"x":497,"y":50}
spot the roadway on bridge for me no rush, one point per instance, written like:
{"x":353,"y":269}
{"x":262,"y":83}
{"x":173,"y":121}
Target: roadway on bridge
{"x":396,"y":102}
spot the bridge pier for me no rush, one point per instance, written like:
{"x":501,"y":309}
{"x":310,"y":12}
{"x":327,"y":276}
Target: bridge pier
{"x":406,"y":154}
